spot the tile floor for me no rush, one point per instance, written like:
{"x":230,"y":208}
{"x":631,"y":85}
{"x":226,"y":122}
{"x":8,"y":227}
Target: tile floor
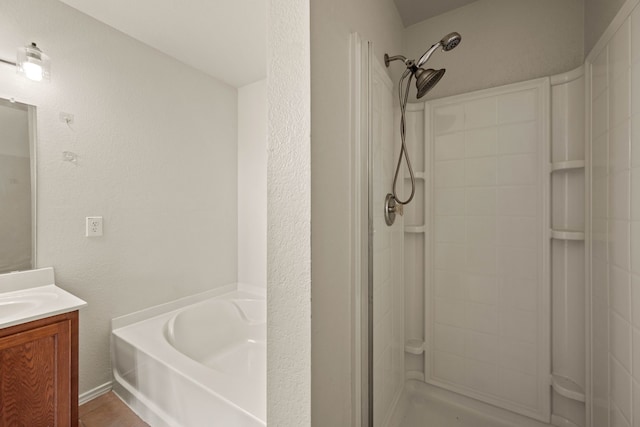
{"x":108,"y":411}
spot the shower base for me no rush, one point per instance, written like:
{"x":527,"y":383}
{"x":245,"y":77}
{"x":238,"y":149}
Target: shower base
{"x":423,"y":405}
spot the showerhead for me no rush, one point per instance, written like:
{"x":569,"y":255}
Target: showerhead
{"x":450,"y":41}
{"x":427,"y":79}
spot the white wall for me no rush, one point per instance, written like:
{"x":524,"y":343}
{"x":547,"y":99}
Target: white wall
{"x":288,"y":215}
{"x":503,"y":41}
{"x":614,"y":70}
{"x":597,"y":17}
{"x":252,"y":184}
{"x":157,"y":156}
{"x":332,"y":22}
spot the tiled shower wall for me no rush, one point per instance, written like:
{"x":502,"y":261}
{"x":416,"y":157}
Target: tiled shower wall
{"x":614,"y":72}
{"x":488,"y":320}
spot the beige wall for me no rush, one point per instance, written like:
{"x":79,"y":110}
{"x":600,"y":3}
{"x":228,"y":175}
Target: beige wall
{"x":597,"y":17}
{"x":332,"y":22}
{"x":156,"y":146}
{"x":503,"y":41}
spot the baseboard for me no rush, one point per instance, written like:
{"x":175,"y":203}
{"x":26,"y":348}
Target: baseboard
{"x":95,"y":392}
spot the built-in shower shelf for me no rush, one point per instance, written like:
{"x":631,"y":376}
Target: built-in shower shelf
{"x":416,"y":175}
{"x":567,"y":234}
{"x":414,"y":347}
{"x":567,"y":165}
{"x":415,"y":229}
{"x":414,"y":375}
{"x":567,"y":388}
{"x":557,"y":420}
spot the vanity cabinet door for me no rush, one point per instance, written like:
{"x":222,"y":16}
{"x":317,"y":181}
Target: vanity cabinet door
{"x":37,"y":373}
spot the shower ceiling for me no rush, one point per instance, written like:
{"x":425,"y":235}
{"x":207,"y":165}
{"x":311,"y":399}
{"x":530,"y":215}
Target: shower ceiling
{"x":414,"y":11}
{"x":224,"y":38}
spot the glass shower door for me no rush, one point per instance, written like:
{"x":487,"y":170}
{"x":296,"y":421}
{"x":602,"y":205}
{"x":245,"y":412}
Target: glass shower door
{"x":386,"y":287}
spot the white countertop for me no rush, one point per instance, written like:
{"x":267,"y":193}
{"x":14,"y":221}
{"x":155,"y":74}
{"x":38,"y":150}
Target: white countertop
{"x":31,"y":295}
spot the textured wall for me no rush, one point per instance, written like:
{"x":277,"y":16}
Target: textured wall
{"x":157,"y":151}
{"x":503,"y":41}
{"x":332,"y":247}
{"x":252,"y":184}
{"x":597,"y":17}
{"x":288,"y":216}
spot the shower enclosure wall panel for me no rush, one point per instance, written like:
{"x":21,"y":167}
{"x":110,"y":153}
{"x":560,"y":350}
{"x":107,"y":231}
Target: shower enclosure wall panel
{"x":387,"y":251}
{"x":568,"y":249}
{"x":613,"y":82}
{"x":415,"y":251}
{"x":487,"y":295}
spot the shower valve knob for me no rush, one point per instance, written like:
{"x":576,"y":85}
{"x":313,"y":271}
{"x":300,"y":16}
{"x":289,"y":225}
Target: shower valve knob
{"x":391,"y":208}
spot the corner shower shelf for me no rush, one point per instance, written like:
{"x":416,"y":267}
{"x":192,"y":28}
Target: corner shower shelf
{"x":415,"y":229}
{"x":567,"y":234}
{"x":567,"y":388}
{"x":414,"y":347}
{"x":557,"y":420}
{"x":414,"y":375}
{"x":416,"y":175}
{"x":567,"y":165}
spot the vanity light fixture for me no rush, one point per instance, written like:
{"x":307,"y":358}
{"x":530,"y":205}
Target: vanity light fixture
{"x":31,"y":63}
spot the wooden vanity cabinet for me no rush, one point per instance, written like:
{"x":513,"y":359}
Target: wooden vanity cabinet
{"x":39,"y":373}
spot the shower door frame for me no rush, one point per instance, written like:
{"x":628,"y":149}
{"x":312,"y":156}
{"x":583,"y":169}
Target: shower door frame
{"x":361,"y":217}
{"x":363,"y":73}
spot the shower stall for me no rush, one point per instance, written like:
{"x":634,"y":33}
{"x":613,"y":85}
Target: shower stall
{"x":473,"y":302}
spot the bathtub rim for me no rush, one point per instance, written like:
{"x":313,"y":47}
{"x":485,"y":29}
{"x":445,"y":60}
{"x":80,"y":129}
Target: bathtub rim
{"x":160,"y":309}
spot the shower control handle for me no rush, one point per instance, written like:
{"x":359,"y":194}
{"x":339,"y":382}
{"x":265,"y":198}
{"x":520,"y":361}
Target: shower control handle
{"x":391,"y":208}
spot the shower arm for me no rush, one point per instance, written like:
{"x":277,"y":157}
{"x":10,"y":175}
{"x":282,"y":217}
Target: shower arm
{"x":388,"y":59}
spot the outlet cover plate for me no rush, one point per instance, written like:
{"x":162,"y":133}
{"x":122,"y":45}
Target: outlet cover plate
{"x":94,"y":226}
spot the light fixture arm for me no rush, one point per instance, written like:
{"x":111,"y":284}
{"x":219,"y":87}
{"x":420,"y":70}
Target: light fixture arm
{"x":31,"y":62}
{"x":4,"y":61}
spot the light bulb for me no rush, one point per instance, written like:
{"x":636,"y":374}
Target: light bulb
{"x":32,"y":71}
{"x":33,"y":63}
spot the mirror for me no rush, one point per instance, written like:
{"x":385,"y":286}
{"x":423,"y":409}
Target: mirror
{"x":17,"y":186}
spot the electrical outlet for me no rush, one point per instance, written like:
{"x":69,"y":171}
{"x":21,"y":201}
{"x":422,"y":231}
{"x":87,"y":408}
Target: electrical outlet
{"x":94,"y":226}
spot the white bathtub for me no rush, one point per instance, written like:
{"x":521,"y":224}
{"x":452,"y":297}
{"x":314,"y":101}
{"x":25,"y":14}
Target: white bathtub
{"x":199,"y":365}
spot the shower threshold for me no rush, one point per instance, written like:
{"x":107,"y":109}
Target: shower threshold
{"x":424,"y":405}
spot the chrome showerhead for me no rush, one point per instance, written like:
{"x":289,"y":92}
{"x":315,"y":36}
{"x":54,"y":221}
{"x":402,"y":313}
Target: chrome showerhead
{"x":427,"y":79}
{"x":450,"y":41}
